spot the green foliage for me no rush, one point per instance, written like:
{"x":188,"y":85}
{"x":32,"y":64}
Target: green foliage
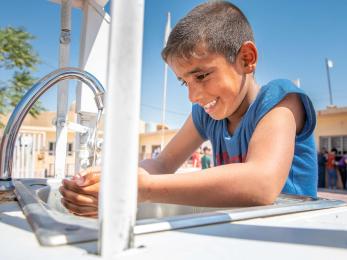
{"x":17,"y":55}
{"x":16,"y":50}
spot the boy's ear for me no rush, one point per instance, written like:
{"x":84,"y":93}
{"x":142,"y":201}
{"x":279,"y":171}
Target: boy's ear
{"x":248,"y":57}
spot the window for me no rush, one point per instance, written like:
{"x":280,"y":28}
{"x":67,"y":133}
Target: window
{"x":323,"y":143}
{"x":329,"y":142}
{"x":336,"y":142}
{"x":51,"y":148}
{"x":344,"y":146}
{"x":69,"y":149}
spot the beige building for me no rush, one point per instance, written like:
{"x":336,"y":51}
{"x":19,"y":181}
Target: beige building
{"x":331,"y":129}
{"x":34,"y":152}
{"x":151,"y":141}
{"x":35,"y":146}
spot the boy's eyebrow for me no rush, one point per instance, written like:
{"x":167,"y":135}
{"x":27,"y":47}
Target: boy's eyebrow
{"x":195,"y":70}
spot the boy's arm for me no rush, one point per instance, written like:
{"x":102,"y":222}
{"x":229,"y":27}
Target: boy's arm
{"x":182,"y":145}
{"x":257,"y":181}
{"x":80,"y":195}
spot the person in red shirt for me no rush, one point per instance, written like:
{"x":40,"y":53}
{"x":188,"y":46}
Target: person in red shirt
{"x":331,"y":169}
{"x":196,"y":159}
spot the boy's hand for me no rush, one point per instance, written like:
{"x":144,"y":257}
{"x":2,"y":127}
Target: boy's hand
{"x":81,"y":193}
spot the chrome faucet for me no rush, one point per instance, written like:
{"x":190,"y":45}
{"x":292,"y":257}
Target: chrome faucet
{"x":26,"y":103}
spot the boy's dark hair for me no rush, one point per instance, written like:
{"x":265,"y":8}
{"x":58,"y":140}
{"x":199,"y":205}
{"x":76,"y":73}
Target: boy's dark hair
{"x":220,"y":27}
{"x":206,"y":149}
{"x":334,"y":150}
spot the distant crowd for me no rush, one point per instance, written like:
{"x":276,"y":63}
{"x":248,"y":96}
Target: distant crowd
{"x":332,"y":166}
{"x":201,"y":158}
{"x":332,"y":169}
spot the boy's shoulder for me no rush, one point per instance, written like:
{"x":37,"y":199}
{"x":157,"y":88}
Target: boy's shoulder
{"x":281,"y":86}
{"x":272,"y":94}
{"x":275,"y":91}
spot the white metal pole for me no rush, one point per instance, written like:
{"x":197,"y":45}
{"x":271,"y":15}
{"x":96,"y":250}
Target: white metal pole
{"x":63,"y":88}
{"x":328,"y":65}
{"x":93,"y":54}
{"x":118,"y":197}
{"x":167,"y":33}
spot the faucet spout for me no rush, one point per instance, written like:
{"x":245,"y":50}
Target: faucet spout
{"x":26,"y":103}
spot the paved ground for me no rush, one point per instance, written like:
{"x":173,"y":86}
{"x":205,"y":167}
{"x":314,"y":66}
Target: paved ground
{"x":333,"y":194}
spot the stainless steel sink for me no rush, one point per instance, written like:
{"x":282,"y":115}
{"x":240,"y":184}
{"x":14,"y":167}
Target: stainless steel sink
{"x":47,"y":192}
{"x":54,"y":225}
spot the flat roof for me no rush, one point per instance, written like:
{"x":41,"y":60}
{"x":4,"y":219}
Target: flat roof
{"x":332,"y":110}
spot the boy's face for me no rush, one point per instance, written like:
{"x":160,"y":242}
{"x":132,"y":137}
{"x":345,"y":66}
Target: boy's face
{"x":212,"y":82}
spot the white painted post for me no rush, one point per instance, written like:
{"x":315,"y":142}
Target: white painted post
{"x":93,"y":58}
{"x":63,"y":91}
{"x":167,"y":33}
{"x":118,"y":197}
{"x":22,"y":159}
{"x":33,"y":155}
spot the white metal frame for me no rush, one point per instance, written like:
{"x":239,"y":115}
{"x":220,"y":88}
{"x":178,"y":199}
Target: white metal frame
{"x":93,"y":58}
{"x":63,"y":91}
{"x":118,"y":196}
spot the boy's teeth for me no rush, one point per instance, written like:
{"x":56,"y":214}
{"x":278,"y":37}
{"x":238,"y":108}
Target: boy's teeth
{"x":212,"y":103}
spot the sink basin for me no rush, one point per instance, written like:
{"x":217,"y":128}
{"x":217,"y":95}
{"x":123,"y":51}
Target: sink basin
{"x":54,"y":225}
{"x":47,"y":192}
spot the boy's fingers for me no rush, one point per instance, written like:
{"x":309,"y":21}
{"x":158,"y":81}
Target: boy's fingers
{"x":71,"y":185}
{"x":92,"y":190}
{"x":80,"y":210}
{"x":89,"y":179}
{"x":78,"y":199}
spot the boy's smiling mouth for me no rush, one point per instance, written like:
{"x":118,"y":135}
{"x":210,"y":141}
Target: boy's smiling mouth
{"x":210,"y":105}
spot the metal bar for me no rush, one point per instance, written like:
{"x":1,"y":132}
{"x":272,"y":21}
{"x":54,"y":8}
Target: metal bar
{"x":93,"y":55}
{"x":226,"y":216}
{"x":167,"y":33}
{"x":118,"y":197}
{"x":329,"y":82}
{"x":63,"y":91}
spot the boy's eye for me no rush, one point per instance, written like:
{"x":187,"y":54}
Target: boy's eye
{"x":202,"y":76}
{"x":183,"y":83}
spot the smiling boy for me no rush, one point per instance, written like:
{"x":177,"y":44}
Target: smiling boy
{"x":261,"y":137}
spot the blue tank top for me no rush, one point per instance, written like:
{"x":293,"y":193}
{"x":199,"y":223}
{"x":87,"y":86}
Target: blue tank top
{"x":302,"y":178}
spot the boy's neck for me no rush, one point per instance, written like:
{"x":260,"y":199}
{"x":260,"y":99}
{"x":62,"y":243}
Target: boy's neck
{"x":252,"y":92}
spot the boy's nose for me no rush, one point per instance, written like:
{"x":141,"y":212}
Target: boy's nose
{"x":194,"y":94}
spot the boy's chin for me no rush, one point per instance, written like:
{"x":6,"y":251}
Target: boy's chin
{"x":217,"y":117}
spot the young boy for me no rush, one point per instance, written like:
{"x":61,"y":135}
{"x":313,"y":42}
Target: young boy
{"x":262,"y":137}
{"x":205,"y":159}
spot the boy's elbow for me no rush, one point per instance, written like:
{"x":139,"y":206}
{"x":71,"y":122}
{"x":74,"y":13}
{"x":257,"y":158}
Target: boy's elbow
{"x":266,"y":193}
{"x":267,"y":198}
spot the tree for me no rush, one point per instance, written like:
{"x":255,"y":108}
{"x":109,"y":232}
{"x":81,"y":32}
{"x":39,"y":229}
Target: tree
{"x":17,"y":56}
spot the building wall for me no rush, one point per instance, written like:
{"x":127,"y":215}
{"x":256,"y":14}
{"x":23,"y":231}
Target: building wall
{"x":149,"y":141}
{"x":332,"y":125}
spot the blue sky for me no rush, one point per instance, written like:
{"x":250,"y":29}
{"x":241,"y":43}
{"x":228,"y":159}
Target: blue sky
{"x":293,"y":38}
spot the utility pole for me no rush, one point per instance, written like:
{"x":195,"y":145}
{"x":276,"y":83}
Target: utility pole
{"x":329,"y":64}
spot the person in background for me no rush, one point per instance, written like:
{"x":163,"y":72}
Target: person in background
{"x":196,"y":159}
{"x":322,"y":159}
{"x":342,"y":163}
{"x":205,"y":159}
{"x":156,"y":152}
{"x":331,"y":169}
